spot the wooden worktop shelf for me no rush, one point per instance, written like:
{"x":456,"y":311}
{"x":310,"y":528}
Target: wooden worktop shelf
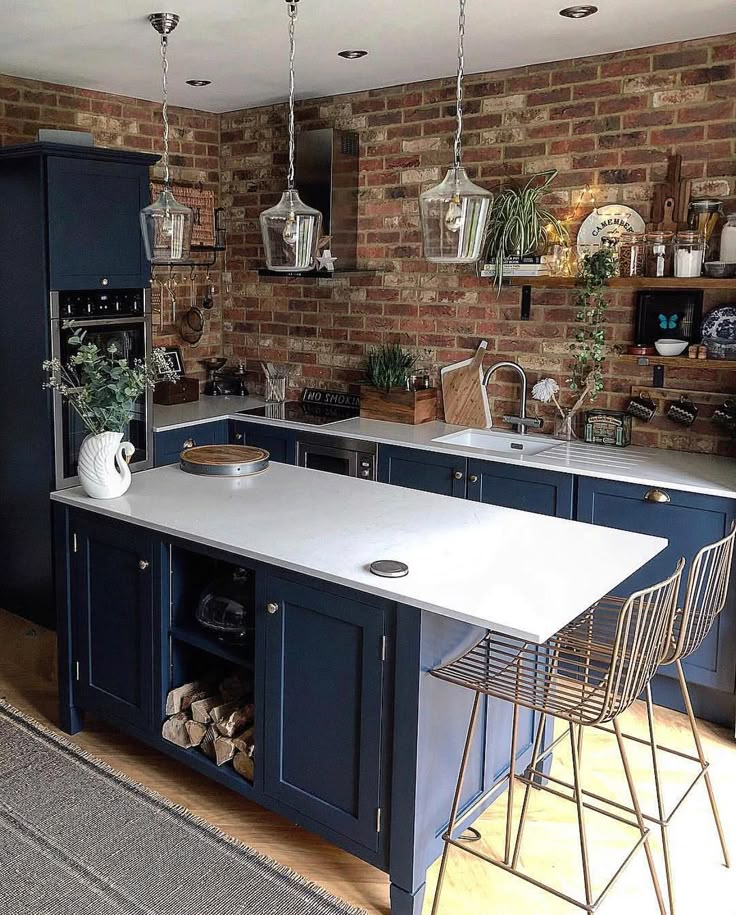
{"x":680,"y":362}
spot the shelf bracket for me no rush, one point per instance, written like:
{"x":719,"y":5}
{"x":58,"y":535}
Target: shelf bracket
{"x":526,"y":303}
{"x":657,"y":376}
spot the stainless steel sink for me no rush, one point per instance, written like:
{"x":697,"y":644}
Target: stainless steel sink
{"x":498,"y":442}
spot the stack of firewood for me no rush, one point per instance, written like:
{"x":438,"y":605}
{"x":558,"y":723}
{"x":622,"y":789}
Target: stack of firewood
{"x":215,"y":718}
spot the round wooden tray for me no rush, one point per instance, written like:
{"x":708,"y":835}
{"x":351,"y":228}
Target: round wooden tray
{"x":224,"y":460}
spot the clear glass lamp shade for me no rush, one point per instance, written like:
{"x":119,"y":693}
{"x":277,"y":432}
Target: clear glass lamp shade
{"x":167,"y":229}
{"x":291,"y":231}
{"x":454,"y":216}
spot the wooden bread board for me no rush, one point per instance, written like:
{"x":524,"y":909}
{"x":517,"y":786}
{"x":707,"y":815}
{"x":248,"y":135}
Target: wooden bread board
{"x":465,"y":398}
{"x":224,"y":460}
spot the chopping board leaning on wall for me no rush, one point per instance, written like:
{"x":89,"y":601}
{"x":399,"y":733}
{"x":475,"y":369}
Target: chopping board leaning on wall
{"x":465,"y":398}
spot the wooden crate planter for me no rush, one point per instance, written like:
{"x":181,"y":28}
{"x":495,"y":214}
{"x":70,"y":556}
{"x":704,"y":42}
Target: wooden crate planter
{"x":398,"y":405}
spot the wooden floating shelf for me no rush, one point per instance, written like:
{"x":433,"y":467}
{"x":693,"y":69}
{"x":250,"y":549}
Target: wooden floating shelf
{"x":201,"y":640}
{"x":629,"y":282}
{"x":679,"y":362}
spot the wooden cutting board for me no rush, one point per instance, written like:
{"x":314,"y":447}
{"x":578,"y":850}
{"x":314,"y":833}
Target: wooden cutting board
{"x":224,"y":460}
{"x":465,"y":398}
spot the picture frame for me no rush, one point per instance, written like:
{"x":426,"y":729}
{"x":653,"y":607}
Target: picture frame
{"x":668,"y":314}
{"x":173,"y":356}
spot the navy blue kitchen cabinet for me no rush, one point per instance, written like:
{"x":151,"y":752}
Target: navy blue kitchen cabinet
{"x":112,"y":591}
{"x":169,"y":445}
{"x":278,"y":441}
{"x":539,"y":491}
{"x":323,"y":708}
{"x":93,"y":223}
{"x":689,"y":521}
{"x":428,"y":471}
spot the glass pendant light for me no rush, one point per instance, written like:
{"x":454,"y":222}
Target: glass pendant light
{"x":166,"y":224}
{"x":291,"y":229}
{"x":454,"y":214}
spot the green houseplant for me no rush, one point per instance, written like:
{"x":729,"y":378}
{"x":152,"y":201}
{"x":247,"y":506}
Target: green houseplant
{"x":589,"y":349}
{"x":388,"y":366}
{"x":102,"y":388}
{"x":386,"y":394}
{"x":519,"y":225}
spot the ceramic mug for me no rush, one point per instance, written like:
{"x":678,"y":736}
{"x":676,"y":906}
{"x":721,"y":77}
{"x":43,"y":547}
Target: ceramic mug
{"x":682,"y":411}
{"x":642,"y":407}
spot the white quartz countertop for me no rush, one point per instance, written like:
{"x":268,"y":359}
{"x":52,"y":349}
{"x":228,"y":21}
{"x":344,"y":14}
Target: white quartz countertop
{"x":699,"y":473}
{"x":519,"y":573}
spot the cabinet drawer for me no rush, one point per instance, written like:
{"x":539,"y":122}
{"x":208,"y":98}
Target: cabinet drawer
{"x":171,"y":443}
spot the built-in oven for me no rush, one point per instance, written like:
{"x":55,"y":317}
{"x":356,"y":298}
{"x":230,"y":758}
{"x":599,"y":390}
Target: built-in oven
{"x":335,"y":454}
{"x":122,"y":317}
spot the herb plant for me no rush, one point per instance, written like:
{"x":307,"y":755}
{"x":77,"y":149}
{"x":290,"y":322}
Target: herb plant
{"x":589,"y":349}
{"x":103,"y":387}
{"x":388,"y":366}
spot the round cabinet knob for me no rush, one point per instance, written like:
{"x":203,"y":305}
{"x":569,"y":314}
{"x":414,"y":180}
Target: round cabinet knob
{"x":105,"y":281}
{"x":143,"y":564}
{"x":272,"y":607}
{"x":187,"y":444}
{"x":458,"y":475}
{"x":473,"y":478}
{"x":657,"y":495}
{"x":238,"y":436}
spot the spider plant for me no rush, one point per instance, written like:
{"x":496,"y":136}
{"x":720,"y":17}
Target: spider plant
{"x":518,"y":224}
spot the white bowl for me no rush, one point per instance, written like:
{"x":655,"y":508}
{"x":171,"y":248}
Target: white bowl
{"x":671,"y":347}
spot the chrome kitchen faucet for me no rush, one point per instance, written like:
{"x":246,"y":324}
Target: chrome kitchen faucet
{"x":522,"y":421}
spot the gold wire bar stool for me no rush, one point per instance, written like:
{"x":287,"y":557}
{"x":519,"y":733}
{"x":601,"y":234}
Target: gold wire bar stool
{"x":578,"y":679}
{"x":705,"y":596}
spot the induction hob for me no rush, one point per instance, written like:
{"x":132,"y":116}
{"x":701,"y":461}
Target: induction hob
{"x":316,"y":408}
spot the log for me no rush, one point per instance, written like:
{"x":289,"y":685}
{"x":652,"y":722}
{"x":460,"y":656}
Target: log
{"x":201,"y":708}
{"x":224,"y":750}
{"x":208,"y":742}
{"x":197,"y":732}
{"x":245,"y":742}
{"x":176,"y":697}
{"x":231,"y":719}
{"x":235,"y":686}
{"x":188,"y":701}
{"x":175,"y":730}
{"x":244,"y":765}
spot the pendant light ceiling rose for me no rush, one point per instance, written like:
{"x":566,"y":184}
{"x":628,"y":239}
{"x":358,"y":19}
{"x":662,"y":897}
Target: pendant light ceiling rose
{"x":164,"y":23}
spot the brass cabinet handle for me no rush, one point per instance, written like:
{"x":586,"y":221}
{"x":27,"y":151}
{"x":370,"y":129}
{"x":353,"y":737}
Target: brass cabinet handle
{"x":657,"y":495}
{"x":143,"y":564}
{"x":187,"y":444}
{"x":458,"y":475}
{"x":473,"y":478}
{"x":272,"y":607}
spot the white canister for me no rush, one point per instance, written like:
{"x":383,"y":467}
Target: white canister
{"x":689,"y":254}
{"x":728,"y":241}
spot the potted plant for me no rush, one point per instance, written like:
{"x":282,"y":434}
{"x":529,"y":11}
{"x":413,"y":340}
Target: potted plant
{"x":102,"y":389}
{"x":519,"y":225}
{"x":388,"y":394}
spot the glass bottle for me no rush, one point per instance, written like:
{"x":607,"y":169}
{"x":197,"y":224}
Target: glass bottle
{"x":631,"y":254}
{"x":659,"y":254}
{"x":728,"y":241}
{"x":689,"y":251}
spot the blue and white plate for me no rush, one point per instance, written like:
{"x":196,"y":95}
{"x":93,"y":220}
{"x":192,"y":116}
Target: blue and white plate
{"x":721,"y":322}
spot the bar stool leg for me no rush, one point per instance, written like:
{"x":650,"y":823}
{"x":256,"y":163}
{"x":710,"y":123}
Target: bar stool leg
{"x":456,"y":802}
{"x":703,"y":761}
{"x":660,"y":801}
{"x":527,"y":790}
{"x":639,"y":817}
{"x":512,"y":785}
{"x":578,"y":798}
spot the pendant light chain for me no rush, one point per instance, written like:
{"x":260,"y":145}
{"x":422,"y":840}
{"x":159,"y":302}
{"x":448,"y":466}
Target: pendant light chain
{"x":460,"y":78}
{"x":292,"y":85}
{"x":165,"y":105}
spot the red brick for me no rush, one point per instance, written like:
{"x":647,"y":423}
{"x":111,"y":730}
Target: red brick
{"x":678,"y":60}
{"x":716,"y":111}
{"x":677,"y":135}
{"x":549,"y":97}
{"x":708,"y":75}
{"x":597,"y":90}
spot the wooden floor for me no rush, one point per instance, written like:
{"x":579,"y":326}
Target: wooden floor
{"x":550,"y":849}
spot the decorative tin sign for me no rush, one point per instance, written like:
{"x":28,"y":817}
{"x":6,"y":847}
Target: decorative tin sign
{"x":608,"y":427}
{"x":605,"y":226}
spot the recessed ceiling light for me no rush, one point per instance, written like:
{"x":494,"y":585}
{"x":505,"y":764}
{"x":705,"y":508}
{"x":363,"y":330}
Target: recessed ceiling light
{"x":198,"y":82}
{"x":352,"y":55}
{"x":578,"y":12}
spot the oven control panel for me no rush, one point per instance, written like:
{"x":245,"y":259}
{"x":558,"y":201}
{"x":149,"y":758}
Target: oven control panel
{"x":110,"y":303}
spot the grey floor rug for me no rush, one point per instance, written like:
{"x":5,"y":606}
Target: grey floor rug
{"x":77,"y":838}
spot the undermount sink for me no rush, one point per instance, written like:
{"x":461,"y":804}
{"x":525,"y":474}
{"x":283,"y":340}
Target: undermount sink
{"x":498,"y":442}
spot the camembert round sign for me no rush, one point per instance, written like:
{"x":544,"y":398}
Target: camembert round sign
{"x":605,"y":226}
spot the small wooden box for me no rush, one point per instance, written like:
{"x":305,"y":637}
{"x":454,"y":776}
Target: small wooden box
{"x":185,"y":390}
{"x":399,"y":405}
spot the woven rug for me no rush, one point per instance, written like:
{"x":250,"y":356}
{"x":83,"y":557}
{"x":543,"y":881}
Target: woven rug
{"x":77,"y":838}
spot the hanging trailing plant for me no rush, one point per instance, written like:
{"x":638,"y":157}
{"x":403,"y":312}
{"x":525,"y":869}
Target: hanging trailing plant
{"x":518,"y":224}
{"x":589,"y":349}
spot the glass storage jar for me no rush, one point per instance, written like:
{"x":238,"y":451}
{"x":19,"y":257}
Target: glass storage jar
{"x":728,"y":241}
{"x":631,"y":254}
{"x":689,"y":254}
{"x":659,"y":254}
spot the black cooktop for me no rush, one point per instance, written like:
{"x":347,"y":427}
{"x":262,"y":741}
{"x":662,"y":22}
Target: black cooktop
{"x":309,"y":413}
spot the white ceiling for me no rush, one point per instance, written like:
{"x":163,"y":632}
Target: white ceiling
{"x":242,"y":46}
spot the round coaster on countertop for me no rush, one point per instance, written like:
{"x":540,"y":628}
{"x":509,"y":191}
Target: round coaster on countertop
{"x":224,"y":460}
{"x":389,"y":568}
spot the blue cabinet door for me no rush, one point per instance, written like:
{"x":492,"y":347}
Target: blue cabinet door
{"x":170,"y":444}
{"x":689,"y":521}
{"x":541,"y":491}
{"x":427,"y":471}
{"x":324,"y":698}
{"x":93,"y":223}
{"x":279,"y":442}
{"x":113,"y":622}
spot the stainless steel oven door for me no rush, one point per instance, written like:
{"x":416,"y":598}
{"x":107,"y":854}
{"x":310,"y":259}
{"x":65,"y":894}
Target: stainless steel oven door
{"x":345,"y":457}
{"x":133,"y":338}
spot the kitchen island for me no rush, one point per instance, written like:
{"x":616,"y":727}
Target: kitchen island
{"x":354,"y":740}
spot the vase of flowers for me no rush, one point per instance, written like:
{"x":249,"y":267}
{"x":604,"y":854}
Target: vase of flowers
{"x":102,"y":388}
{"x":566,"y":418}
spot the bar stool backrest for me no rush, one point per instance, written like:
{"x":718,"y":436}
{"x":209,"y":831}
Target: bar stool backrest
{"x":644,"y":629}
{"x":705,"y":597}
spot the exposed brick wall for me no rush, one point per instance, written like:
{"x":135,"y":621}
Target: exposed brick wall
{"x":609,"y":121}
{"x":117,"y":121}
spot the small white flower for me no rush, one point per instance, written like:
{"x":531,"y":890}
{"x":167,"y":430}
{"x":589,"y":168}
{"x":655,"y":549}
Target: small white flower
{"x":545,"y":390}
